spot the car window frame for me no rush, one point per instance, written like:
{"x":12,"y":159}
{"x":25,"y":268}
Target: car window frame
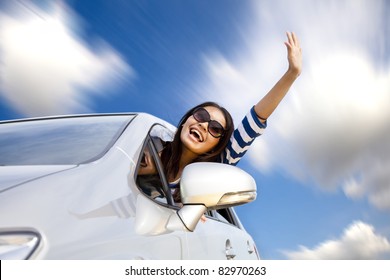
{"x":149,"y":142}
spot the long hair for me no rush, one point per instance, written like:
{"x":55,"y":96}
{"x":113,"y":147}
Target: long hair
{"x":171,"y":154}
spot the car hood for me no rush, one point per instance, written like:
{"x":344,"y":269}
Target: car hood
{"x":12,"y":176}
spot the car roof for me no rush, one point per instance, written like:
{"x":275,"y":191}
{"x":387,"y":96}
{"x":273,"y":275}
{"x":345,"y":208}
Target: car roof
{"x":137,"y":115}
{"x":68,"y":116}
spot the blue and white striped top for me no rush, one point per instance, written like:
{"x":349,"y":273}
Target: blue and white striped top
{"x":242,"y":137}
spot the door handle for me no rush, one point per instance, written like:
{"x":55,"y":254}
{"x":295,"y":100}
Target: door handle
{"x":251,"y":249}
{"x":229,"y":251}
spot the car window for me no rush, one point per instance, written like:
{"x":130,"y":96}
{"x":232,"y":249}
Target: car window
{"x":150,"y":176}
{"x":225,"y":215}
{"x":58,"y":141}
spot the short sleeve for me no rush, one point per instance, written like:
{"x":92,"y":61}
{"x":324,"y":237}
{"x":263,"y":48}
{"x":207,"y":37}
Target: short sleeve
{"x":243,"y":136}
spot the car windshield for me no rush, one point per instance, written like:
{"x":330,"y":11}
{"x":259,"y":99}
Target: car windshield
{"x":57,"y":141}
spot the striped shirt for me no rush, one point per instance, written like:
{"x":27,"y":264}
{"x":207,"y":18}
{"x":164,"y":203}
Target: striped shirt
{"x":242,"y":137}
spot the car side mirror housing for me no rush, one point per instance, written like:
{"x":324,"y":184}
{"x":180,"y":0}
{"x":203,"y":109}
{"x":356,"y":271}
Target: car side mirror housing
{"x":209,"y":185}
{"x":216,"y":185}
{"x":203,"y":186}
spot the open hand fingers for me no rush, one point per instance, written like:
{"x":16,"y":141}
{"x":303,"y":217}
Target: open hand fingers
{"x":292,"y":40}
{"x":295,"y":39}
{"x":294,"y":54}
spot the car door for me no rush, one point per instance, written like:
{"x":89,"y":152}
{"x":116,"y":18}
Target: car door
{"x":220,"y":237}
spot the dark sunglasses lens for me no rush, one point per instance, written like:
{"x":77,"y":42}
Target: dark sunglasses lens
{"x":201,"y":115}
{"x":215,"y":129}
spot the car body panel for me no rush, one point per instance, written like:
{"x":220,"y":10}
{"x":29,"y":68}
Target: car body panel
{"x":12,"y":176}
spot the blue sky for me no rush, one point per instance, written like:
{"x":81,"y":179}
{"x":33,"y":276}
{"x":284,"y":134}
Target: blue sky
{"x":322,"y":166}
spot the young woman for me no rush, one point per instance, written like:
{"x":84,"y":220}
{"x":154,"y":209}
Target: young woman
{"x":206,"y":132}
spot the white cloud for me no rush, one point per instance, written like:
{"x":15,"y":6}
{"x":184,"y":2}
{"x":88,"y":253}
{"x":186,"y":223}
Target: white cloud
{"x":359,"y":241}
{"x":333,"y":128}
{"x":46,"y":69}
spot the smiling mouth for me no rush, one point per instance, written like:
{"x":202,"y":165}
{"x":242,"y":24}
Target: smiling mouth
{"x":197,"y":135}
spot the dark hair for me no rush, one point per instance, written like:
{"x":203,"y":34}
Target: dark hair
{"x":171,"y":154}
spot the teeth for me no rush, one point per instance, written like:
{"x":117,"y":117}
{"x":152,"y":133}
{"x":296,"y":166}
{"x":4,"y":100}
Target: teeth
{"x":197,"y":134}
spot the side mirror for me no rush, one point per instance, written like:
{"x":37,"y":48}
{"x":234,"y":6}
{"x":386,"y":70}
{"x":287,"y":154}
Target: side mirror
{"x":216,"y":185}
{"x":212,"y":185}
{"x":203,"y":186}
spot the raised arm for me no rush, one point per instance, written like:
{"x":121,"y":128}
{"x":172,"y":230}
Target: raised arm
{"x":265,"y":107}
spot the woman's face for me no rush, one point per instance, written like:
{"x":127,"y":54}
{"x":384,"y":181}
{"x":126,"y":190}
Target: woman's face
{"x":195,"y":136}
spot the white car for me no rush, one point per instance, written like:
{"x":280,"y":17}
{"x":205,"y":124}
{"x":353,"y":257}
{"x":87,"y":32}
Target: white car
{"x":71,"y":188}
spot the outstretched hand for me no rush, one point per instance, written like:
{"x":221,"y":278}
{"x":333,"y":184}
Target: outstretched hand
{"x":294,"y":54}
{"x":271,"y":100}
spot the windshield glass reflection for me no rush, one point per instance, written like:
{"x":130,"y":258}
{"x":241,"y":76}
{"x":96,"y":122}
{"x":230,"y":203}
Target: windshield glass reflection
{"x":59,"y":141}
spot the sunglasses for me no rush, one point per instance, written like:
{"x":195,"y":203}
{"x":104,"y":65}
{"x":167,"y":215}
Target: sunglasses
{"x":214,"y":128}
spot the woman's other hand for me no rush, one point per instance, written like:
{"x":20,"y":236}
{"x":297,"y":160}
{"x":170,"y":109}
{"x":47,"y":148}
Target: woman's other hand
{"x":294,"y":54}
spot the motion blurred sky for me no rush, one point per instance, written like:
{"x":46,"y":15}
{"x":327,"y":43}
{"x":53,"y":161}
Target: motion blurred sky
{"x":323,"y":165}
